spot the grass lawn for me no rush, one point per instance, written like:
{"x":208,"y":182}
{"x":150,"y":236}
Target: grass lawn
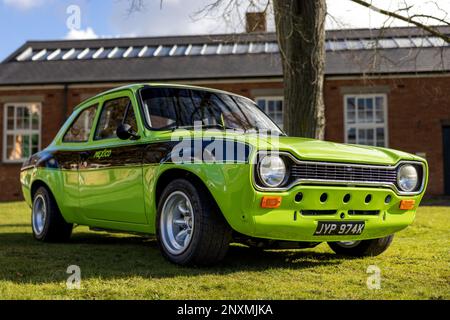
{"x":116,"y":266}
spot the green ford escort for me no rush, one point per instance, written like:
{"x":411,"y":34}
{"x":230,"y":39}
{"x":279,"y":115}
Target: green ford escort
{"x":202,"y":168}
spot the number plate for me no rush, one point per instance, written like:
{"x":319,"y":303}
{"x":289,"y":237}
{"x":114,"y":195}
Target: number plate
{"x":341,"y":228}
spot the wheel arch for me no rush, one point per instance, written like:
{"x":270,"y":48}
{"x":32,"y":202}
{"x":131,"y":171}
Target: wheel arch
{"x":36,"y":184}
{"x":176,"y":173}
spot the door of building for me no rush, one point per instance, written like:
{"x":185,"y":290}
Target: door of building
{"x":446,"y":135}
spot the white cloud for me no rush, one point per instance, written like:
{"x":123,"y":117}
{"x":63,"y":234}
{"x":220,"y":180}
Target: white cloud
{"x":75,"y":34}
{"x":24,"y":4}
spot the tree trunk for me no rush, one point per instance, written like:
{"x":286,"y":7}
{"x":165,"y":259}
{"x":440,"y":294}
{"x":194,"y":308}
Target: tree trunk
{"x":300,"y":28}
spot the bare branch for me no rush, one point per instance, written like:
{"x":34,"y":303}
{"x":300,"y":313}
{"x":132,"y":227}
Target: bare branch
{"x":395,"y":15}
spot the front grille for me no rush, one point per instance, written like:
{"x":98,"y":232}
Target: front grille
{"x":342,"y":173}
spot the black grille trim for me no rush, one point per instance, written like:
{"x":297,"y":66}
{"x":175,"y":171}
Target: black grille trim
{"x":364,"y":212}
{"x":318,"y":212}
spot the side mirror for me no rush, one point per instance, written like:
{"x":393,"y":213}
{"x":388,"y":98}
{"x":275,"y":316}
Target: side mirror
{"x":125,"y":132}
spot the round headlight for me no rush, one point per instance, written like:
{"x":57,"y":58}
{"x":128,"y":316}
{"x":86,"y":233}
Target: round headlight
{"x":407,"y":178}
{"x":272,"y":170}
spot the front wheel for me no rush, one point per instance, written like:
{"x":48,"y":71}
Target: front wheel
{"x":190,"y":227}
{"x":373,"y":247}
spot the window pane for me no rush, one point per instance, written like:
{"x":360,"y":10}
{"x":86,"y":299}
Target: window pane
{"x":10,"y":147}
{"x":160,"y":106}
{"x":23,"y":118}
{"x":10,"y":111}
{"x":380,"y":137}
{"x":35,"y":115}
{"x":351,"y":117}
{"x":279,"y":106}
{"x":362,"y":136}
{"x":370,"y":137}
{"x":19,"y":117}
{"x":351,"y":135}
{"x":112,"y":116}
{"x":131,"y":119}
{"x":271,"y":107}
{"x":261,"y":104}
{"x":361,"y":111}
{"x":379,"y":107}
{"x":81,"y":128}
{"x":369,"y":110}
{"x":10,"y":124}
{"x":16,"y":152}
{"x":25,"y":146}
{"x":351,"y":113}
{"x":34,"y":143}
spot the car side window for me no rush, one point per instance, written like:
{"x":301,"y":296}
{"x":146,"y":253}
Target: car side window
{"x":81,"y":128}
{"x":114,"y":113}
{"x":160,"y":104}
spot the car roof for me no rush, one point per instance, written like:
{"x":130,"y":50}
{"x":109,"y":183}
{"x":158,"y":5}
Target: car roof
{"x":136,"y":86}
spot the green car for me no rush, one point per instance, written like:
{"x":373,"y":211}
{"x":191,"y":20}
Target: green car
{"x":202,"y":168}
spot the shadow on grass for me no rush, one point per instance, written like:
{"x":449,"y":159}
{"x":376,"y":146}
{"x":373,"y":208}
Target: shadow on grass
{"x":107,"y":256}
{"x":15,"y":225}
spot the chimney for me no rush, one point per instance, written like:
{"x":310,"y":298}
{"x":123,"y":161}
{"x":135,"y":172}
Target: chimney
{"x":256,"y":22}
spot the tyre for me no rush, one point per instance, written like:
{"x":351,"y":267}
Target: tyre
{"x":362,"y":248}
{"x":190,"y":227}
{"x":47,"y":223}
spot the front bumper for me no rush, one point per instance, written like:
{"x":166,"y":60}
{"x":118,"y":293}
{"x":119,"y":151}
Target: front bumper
{"x":289,"y":223}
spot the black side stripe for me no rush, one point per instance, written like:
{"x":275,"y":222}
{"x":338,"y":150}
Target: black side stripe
{"x":151,"y":153}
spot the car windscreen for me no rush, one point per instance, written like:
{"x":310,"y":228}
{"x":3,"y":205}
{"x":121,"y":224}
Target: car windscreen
{"x":170,"y":108}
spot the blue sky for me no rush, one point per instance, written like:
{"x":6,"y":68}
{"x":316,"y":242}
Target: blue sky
{"x":22,"y":20}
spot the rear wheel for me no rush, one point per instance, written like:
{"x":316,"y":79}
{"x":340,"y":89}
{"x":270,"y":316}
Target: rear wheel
{"x":362,"y":248}
{"x":46,"y":220}
{"x":190,"y":227}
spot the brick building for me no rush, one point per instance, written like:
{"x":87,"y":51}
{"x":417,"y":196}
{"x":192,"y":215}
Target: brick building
{"x":382,"y":87}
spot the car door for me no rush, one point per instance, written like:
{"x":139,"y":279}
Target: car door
{"x":110,"y":171}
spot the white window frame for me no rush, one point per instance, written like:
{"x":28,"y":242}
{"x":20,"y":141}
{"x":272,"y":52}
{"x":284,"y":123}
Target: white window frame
{"x":362,"y":125}
{"x":266,"y":109}
{"x":13,"y":131}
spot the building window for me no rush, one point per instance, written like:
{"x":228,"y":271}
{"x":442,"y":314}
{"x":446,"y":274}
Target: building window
{"x":366,"y":119}
{"x":273,"y":107}
{"x":22,"y":131}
